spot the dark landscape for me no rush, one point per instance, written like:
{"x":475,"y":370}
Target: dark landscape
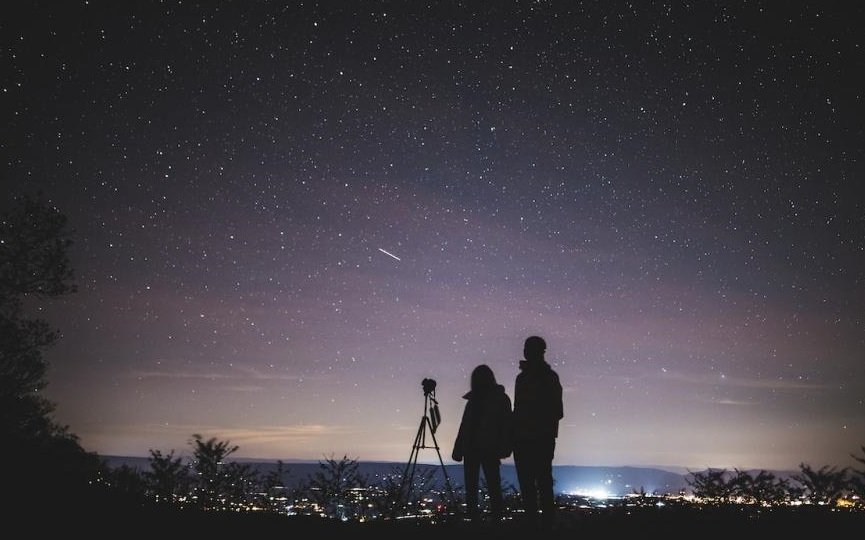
{"x":253,"y":228}
{"x":102,"y":514}
{"x":687,"y":523}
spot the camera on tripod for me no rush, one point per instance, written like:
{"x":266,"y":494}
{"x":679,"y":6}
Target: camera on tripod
{"x":429,"y":391}
{"x":430,"y":421}
{"x":429,"y":386}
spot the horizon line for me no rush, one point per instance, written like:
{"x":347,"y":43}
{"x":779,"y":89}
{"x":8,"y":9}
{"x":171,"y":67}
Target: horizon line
{"x":677,"y":469}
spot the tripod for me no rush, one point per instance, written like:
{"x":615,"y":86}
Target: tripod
{"x":430,"y":420}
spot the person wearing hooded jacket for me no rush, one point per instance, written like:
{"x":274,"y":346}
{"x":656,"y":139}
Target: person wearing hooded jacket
{"x":537,"y":411}
{"x":484,"y":438}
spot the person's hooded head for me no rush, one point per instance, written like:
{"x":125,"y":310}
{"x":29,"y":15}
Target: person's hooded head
{"x":534,"y":349}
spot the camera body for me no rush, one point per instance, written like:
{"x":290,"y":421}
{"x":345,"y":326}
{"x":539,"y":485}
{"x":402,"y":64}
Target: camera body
{"x":429,"y":386}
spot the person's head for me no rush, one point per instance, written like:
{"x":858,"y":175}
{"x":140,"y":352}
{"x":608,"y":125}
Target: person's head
{"x":534,"y":348}
{"x":482,"y":378}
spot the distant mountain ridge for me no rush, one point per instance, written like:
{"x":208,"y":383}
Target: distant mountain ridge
{"x":599,"y":481}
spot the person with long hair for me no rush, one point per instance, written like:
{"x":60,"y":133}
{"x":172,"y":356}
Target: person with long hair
{"x":484,"y":439}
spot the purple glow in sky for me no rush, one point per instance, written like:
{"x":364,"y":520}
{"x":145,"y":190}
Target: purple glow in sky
{"x":287,"y":215}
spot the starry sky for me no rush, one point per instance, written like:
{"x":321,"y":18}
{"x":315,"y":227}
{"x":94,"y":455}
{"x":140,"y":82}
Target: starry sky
{"x":286,"y":215}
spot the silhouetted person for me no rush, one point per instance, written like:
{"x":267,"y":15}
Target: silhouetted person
{"x":537,"y":411}
{"x":484,"y":438}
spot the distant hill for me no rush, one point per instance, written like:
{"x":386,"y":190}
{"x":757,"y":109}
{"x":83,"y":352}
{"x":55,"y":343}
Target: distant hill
{"x":609,"y":481}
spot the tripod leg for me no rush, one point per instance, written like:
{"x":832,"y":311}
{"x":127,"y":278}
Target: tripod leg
{"x":444,"y":470}
{"x":408,"y":473}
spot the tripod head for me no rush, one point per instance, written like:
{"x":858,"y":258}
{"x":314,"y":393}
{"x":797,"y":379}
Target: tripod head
{"x":429,"y":392}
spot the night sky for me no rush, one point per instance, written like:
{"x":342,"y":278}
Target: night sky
{"x":286,"y":215}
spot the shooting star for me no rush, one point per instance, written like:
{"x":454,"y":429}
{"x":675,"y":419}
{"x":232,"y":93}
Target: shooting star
{"x":389,"y":254}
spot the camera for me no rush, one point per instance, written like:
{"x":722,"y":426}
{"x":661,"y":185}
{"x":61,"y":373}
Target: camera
{"x":429,"y":386}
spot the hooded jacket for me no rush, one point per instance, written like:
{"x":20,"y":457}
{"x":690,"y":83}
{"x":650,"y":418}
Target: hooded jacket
{"x":486,"y":428}
{"x":537,"y":401}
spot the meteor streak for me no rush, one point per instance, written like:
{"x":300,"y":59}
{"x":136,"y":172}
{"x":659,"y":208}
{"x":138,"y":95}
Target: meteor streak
{"x":389,"y":254}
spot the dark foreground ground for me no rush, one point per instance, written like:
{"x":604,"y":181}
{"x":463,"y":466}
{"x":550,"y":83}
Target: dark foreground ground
{"x":665,"y":523}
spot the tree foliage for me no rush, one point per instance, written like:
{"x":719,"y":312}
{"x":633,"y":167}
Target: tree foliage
{"x":34,"y":266}
{"x":762,"y":488}
{"x":824,"y":485}
{"x":219,"y":484}
{"x":274,"y":491}
{"x":331,"y":486}
{"x":168,"y":478}
{"x":712,"y":485}
{"x":857,"y":477}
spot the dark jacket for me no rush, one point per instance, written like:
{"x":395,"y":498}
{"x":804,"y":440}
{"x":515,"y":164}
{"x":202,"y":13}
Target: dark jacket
{"x":486,"y":429}
{"x":537,"y":402}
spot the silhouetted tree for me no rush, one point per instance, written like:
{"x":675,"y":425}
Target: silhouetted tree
{"x":332,"y":485}
{"x":712,"y":485}
{"x":857,"y":477}
{"x":386,"y":498}
{"x":823,"y":486}
{"x":219,"y":485}
{"x":34,"y":267}
{"x":764,"y":489}
{"x":276,"y":493}
{"x":129,"y":484}
{"x":168,"y":478}
{"x":424,"y":485}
